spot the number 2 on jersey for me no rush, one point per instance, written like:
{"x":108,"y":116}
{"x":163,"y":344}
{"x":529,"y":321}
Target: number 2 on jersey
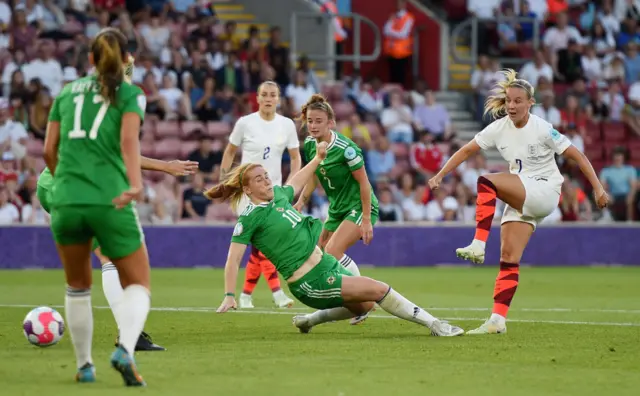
{"x":519,"y":162}
{"x":77,"y":132}
{"x":266,"y":152}
{"x":292,"y":216}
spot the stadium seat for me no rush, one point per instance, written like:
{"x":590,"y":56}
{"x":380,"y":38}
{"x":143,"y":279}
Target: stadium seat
{"x":218,"y":129}
{"x":594,"y":131}
{"x":168,"y":149}
{"x":343,"y":110}
{"x":634,"y":149}
{"x":35,"y":147}
{"x":189,"y":127}
{"x":149,"y":129}
{"x":166,"y":129}
{"x":186,"y":147}
{"x":594,"y":153}
{"x":147,"y":148}
{"x":613,"y":132}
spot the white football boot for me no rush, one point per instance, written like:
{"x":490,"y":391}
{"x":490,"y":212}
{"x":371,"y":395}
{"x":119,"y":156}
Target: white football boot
{"x":359,"y":319}
{"x":442,"y":328}
{"x":491,"y":326}
{"x":245,"y":301}
{"x":302,"y":323}
{"x":282,"y":300}
{"x":473,"y":252}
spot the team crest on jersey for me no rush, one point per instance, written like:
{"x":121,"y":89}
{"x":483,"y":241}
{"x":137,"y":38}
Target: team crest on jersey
{"x":237,"y":230}
{"x":280,"y":210}
{"x":323,"y":171}
{"x":350,"y":153}
{"x":532,"y":149}
{"x":330,"y":280}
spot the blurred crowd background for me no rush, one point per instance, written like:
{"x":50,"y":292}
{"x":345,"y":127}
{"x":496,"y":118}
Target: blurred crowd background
{"x":200,"y":73}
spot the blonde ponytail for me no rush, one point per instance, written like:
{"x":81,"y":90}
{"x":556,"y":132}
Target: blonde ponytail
{"x":496,"y":103}
{"x":231,"y":188}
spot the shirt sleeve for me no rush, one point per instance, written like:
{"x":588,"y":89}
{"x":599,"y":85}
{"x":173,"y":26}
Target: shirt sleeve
{"x":243,"y":230}
{"x":486,"y":138}
{"x":292,"y":136}
{"x":54,"y":113}
{"x":353,"y":157}
{"x":556,"y":141}
{"x":136,"y":104}
{"x":237,"y":135}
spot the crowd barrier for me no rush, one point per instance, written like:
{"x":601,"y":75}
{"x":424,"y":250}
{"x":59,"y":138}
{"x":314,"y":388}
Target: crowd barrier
{"x":206,"y":246}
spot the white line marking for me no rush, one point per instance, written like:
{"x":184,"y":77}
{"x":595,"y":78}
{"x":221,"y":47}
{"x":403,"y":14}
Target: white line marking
{"x":300,"y":310}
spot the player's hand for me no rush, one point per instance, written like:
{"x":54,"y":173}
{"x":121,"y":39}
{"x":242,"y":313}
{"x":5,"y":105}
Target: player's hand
{"x":434,"y":182}
{"x":321,"y":150}
{"x":124,"y":199}
{"x":182,"y":168}
{"x":299,"y":206}
{"x":366,"y":230}
{"x":602,"y":198}
{"x":227,"y":304}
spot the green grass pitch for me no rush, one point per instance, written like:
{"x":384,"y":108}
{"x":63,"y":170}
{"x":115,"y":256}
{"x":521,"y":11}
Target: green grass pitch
{"x":571,"y":331}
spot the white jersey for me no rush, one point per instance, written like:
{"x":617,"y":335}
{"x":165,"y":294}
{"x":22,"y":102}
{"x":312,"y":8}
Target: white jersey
{"x":263,"y":142}
{"x":528,"y":150}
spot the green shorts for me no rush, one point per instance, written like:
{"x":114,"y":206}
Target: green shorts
{"x":118,"y":231}
{"x":44,"y":196}
{"x":321,"y":288}
{"x":355,"y":216}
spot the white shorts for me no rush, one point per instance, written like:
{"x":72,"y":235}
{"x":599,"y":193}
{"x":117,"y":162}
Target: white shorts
{"x":542,"y":198}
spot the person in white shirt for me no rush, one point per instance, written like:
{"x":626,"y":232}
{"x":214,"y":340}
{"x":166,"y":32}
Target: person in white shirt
{"x":397,"y":120}
{"x":531,"y":189}
{"x":46,"y":68}
{"x":548,"y":111}
{"x":441,"y":208}
{"x":13,"y":136}
{"x":557,"y":38}
{"x":8,"y":212}
{"x":263,"y":136}
{"x":537,"y":68}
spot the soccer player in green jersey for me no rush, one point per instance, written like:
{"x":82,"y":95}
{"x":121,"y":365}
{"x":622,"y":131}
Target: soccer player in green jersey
{"x":289,"y":240}
{"x":353,"y":208}
{"x":92,"y":150}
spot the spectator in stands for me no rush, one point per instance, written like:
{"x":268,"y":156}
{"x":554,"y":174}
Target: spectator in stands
{"x":548,"y":111}
{"x":23,"y":35}
{"x":155,"y":34}
{"x":380,"y":159}
{"x":620,"y":181}
{"x":476,"y":167}
{"x":299,"y":91}
{"x":574,"y":114}
{"x":397,"y":120}
{"x":46,"y":68}
{"x":558,"y":37}
{"x":205,"y":104}
{"x":466,"y":211}
{"x":12,"y":186}
{"x":628,"y":9}
{"x":312,"y":78}
{"x":156,"y":103}
{"x":356,"y":129}
{"x":632,"y":111}
{"x":632,"y":63}
{"x":13,"y":136}
{"x":425,"y":157}
{"x":442,"y":207}
{"x":592,"y":67}
{"x":33,"y":213}
{"x":8,"y":212}
{"x":574,"y":204}
{"x":613,"y":101}
{"x":414,"y":209}
{"x":194,"y":202}
{"x":614,"y":69}
{"x":508,"y":28}
{"x":602,"y":41}
{"x":207,"y":157}
{"x":568,"y":67}
{"x":433,"y":117}
{"x":572,"y":133}
{"x":160,"y":215}
{"x":628,"y":33}
{"x":39,"y":114}
{"x":231,"y":74}
{"x":483,"y":79}
{"x":405,"y":190}
{"x":177,"y":101}
{"x":417,"y":94}
{"x":388,"y":211}
{"x":278,"y":57}
{"x":231,"y":36}
{"x":537,"y":68}
{"x":167,"y":192}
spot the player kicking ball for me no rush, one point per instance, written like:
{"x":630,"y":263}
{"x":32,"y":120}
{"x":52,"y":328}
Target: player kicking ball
{"x":288,"y":239}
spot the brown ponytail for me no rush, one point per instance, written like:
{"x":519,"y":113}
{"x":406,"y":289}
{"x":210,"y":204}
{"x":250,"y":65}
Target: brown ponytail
{"x":316,"y":102}
{"x":108,"y":50}
{"x":231,"y":188}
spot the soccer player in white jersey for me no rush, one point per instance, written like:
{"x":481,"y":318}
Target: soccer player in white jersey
{"x":263,"y":136}
{"x":531,"y":189}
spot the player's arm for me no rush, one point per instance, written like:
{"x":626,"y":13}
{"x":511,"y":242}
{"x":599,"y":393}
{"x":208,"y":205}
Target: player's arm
{"x":234,"y":258}
{"x":296,"y":161}
{"x":458,"y":158}
{"x":130,"y":146}
{"x":300,"y":179}
{"x":307,"y":192}
{"x":227,"y":159}
{"x":583,"y":162}
{"x":51,"y":142}
{"x":174,"y":168}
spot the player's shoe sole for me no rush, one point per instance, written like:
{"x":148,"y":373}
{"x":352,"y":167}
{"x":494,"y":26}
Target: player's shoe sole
{"x":441,"y":328}
{"x":300,"y":322}
{"x":86,"y":373}
{"x":470,"y":255}
{"x":488,"y":328}
{"x":123,"y":363}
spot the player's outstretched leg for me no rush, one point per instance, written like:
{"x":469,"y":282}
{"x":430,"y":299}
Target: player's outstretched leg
{"x":251,"y":278}
{"x":485,"y":210}
{"x":113,"y":293}
{"x":271,"y":275}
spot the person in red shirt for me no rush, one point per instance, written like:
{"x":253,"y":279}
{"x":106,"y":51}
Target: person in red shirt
{"x":426,"y":157}
{"x":113,"y":6}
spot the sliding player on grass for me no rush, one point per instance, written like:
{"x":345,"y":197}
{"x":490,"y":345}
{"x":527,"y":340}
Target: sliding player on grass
{"x":531,"y":190}
{"x":353,"y":208}
{"x":288,"y":239}
{"x":92,"y":149}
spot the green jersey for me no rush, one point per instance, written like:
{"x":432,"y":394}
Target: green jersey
{"x":90,"y":168}
{"x":286,"y":237}
{"x":45,"y":180}
{"x":335,"y":174}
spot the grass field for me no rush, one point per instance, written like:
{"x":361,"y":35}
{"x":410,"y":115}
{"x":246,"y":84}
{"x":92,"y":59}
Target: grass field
{"x":571,"y":332}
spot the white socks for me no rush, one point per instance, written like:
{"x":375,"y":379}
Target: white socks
{"x":350,"y":265}
{"x":131,"y":314}
{"x":479,"y":243}
{"x":394,"y":303}
{"x":498,"y":318}
{"x":77,"y":308}
{"x":112,"y":288}
{"x":329,"y":315}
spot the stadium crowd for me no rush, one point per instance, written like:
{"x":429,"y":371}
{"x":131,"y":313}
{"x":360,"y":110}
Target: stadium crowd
{"x":200,"y":75}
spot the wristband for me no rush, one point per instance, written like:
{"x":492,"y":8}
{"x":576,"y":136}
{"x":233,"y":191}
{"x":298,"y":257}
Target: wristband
{"x":229,"y":294}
